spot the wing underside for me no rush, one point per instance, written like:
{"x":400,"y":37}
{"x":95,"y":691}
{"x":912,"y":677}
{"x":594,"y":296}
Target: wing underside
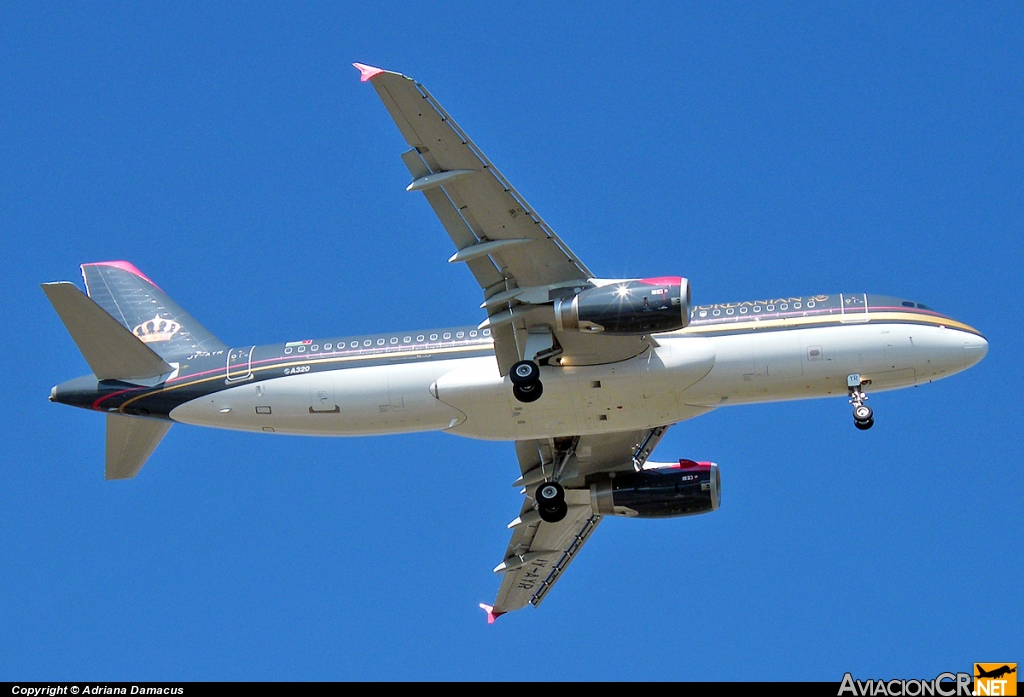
{"x":539,"y":552}
{"x":517,"y":259}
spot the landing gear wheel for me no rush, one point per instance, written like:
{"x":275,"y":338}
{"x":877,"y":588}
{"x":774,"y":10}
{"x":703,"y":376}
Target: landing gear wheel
{"x":555,"y":513}
{"x":524,"y":373}
{"x":864,"y":425}
{"x":862,"y":413}
{"x":550,"y":493}
{"x":551,"y":504}
{"x":528,"y":393}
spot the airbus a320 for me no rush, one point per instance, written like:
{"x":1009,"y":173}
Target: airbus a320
{"x":585,"y":374}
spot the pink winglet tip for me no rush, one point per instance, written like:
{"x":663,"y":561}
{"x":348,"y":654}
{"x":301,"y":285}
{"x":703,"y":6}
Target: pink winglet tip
{"x":491,"y":614}
{"x":366,"y":71}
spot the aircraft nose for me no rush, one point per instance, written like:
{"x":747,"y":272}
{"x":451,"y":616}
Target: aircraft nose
{"x":975,"y":348}
{"x":53,"y":393}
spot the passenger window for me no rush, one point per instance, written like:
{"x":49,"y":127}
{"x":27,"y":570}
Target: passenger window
{"x":420,"y":338}
{"x":447,"y":335}
{"x":380,"y":342}
{"x":433,"y":337}
{"x":460,"y":335}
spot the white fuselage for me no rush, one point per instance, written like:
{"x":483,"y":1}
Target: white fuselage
{"x":683,"y":376}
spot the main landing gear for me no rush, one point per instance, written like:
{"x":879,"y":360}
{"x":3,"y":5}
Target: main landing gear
{"x":551,"y":504}
{"x":863,"y":415}
{"x":526,"y":385}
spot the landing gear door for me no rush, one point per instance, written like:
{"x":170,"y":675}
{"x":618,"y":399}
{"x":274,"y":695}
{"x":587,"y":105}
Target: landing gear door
{"x":239,"y":365}
{"x":854,"y":308}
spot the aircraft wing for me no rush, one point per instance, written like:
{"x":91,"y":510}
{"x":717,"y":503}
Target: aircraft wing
{"x":539,"y":552}
{"x":511,"y":251}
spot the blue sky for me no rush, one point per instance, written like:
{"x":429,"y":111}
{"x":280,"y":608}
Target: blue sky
{"x":231,"y":153}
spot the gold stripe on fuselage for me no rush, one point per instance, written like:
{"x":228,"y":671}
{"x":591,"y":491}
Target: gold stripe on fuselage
{"x":318,"y":360}
{"x":756,"y":323}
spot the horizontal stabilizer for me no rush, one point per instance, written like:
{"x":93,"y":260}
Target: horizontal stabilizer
{"x":112,"y":352}
{"x":130,"y":442}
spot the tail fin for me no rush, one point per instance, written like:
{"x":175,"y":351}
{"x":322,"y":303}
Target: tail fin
{"x":130,"y":442}
{"x":113,"y":353}
{"x":146,"y":311}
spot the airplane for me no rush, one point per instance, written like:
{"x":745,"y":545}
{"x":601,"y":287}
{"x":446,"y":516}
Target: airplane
{"x":585,"y":374}
{"x":995,"y":672}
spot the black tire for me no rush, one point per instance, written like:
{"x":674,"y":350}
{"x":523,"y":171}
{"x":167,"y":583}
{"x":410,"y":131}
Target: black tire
{"x":549,"y":494}
{"x":554,"y":514}
{"x":524,"y":373}
{"x":528,"y":393}
{"x":864,"y":425}
{"x":863,"y":413}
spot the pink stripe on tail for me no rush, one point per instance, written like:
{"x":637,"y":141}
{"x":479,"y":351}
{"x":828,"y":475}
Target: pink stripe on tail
{"x":124,"y":266}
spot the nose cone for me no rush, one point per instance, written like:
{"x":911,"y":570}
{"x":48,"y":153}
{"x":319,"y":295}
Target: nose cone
{"x":975,"y":348}
{"x":53,"y":393}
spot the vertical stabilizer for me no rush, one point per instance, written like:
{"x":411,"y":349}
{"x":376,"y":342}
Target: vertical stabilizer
{"x":146,"y":311}
{"x":130,"y":442}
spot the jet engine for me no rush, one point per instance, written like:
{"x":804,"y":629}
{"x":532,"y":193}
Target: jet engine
{"x":660,"y":490}
{"x":638,"y":306}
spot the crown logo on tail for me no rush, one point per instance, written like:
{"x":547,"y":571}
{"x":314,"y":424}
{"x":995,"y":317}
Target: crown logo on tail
{"x":156,"y":330}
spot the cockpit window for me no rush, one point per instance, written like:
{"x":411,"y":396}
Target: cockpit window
{"x":907,"y":303}
{"x":921,"y":306}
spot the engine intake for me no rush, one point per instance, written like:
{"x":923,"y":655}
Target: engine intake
{"x":660,"y":490}
{"x":639,"y":306}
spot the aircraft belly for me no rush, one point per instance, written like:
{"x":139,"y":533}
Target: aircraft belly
{"x":889,"y":355}
{"x":641,"y":392}
{"x":349,"y":401}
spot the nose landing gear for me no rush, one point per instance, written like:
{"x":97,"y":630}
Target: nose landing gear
{"x":863,"y":415}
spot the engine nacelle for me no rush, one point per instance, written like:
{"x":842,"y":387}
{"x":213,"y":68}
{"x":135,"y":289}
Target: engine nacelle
{"x":660,"y":490}
{"x":639,"y":306}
